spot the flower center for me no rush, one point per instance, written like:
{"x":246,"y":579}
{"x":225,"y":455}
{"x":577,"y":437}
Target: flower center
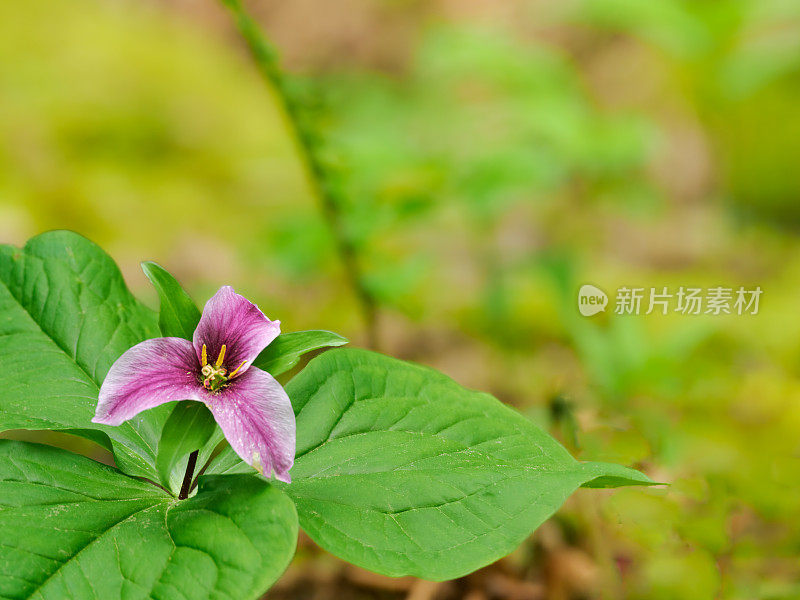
{"x":216,"y":376}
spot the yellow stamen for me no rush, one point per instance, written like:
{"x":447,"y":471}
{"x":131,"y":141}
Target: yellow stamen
{"x":221,"y":356}
{"x":236,"y":370}
{"x":205,"y":356}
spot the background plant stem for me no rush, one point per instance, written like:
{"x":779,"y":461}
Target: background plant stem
{"x":320,"y":176}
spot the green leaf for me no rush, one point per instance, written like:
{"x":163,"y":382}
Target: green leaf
{"x":65,"y":317}
{"x":190,"y":426}
{"x":286,"y":350}
{"x":73,"y":528}
{"x":179,"y":315}
{"x":402,"y":471}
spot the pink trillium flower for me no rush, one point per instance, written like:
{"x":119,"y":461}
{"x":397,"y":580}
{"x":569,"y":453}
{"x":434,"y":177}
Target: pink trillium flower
{"x":250,"y":406}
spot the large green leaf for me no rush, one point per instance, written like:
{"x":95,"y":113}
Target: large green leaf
{"x":65,"y":317}
{"x":402,"y":471}
{"x":73,"y":528}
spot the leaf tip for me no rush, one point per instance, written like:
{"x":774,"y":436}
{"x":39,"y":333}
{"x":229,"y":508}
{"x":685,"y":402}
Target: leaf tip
{"x":609,"y":475}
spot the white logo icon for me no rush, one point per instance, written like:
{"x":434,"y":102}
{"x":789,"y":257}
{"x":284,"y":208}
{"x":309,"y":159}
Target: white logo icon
{"x":591,"y":300}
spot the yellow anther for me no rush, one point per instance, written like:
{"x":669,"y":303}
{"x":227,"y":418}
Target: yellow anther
{"x":221,"y":356}
{"x":204,"y":358}
{"x":236,"y":370}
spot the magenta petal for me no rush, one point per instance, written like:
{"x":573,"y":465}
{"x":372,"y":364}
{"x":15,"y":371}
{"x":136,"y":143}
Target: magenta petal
{"x":257,"y":419}
{"x":233,"y":320}
{"x":151,"y":373}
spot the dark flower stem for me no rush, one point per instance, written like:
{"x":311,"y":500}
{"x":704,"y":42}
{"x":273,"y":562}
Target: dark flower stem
{"x":188,"y":477}
{"x":322,"y":178}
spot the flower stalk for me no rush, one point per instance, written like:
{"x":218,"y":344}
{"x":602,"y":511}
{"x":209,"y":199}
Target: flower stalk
{"x":188,"y":478}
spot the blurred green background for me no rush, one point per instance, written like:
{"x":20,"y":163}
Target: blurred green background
{"x":493,"y":156}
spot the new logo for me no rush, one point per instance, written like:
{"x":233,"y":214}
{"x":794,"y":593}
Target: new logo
{"x":591,"y":300}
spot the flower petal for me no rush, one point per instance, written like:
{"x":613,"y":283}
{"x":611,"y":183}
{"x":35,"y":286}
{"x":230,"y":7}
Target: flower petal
{"x":234,"y":321}
{"x":256,"y":416}
{"x":151,"y":373}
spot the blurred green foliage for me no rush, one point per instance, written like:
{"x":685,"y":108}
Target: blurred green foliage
{"x":502,"y":166}
{"x":481,"y":128}
{"x":739,"y":63}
